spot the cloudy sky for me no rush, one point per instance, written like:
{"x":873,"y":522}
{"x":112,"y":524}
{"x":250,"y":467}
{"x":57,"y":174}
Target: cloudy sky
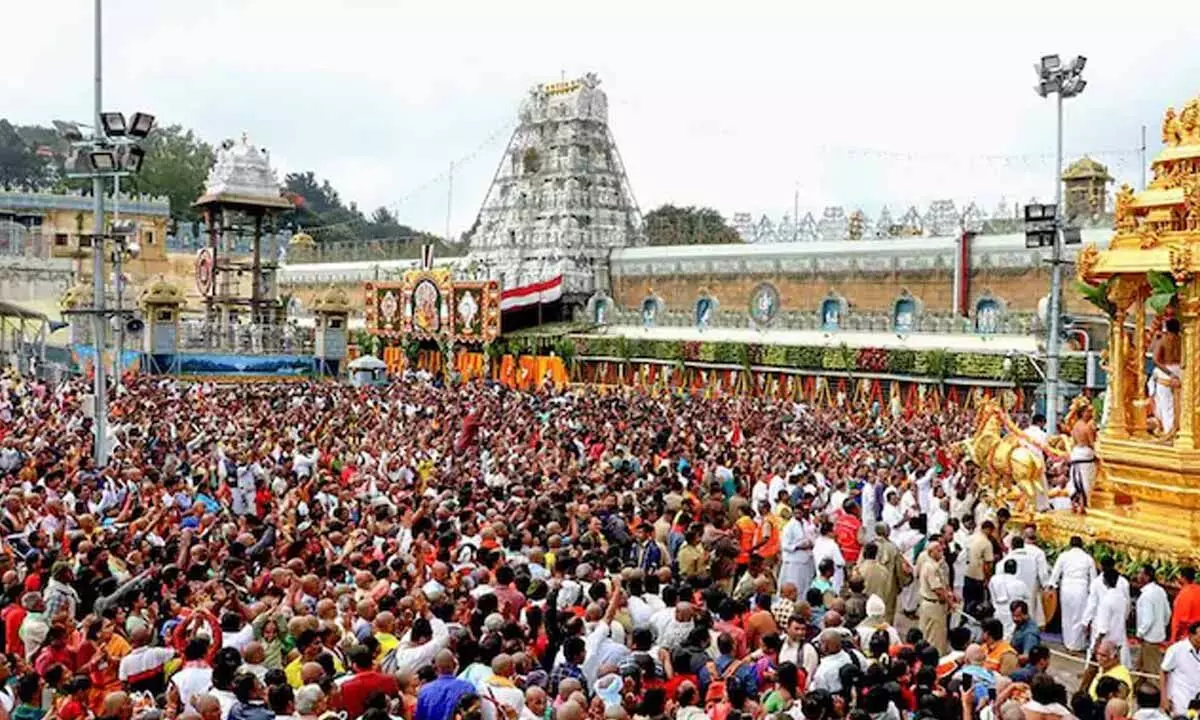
{"x":740,"y":106}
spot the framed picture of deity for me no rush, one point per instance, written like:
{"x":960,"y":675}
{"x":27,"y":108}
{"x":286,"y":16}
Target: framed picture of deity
{"x":426,"y":303}
{"x":384,"y":308}
{"x":475,"y":311}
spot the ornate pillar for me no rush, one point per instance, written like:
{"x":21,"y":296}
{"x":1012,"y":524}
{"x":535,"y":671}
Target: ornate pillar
{"x":1189,"y":311}
{"x":1117,"y":426}
{"x":1139,"y":343}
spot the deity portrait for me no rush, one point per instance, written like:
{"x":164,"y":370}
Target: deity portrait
{"x":831,"y":314}
{"x":468,"y":311}
{"x":703,"y":312}
{"x":388,"y":308}
{"x":987,"y":317}
{"x":600,"y":316}
{"x":905,"y":316}
{"x":649,"y":312}
{"x":764,"y":303}
{"x":425,"y":307}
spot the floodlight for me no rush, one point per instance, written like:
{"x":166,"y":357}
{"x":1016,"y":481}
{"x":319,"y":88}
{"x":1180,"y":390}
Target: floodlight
{"x":1050,"y":63}
{"x":133,"y":159}
{"x":122,"y":227}
{"x":1077,"y":64}
{"x":113,"y":123}
{"x":1046,"y":87}
{"x":141,"y":124}
{"x":103,"y":160}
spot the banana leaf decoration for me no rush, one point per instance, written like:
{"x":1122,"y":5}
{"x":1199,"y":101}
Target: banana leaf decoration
{"x":1098,"y":296}
{"x":1162,"y":290}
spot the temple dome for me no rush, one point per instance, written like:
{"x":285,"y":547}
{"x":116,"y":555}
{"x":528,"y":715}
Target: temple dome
{"x":332,"y":300}
{"x":1086,"y":168}
{"x":161,"y":292}
{"x":242,"y":173}
{"x":77,"y":296}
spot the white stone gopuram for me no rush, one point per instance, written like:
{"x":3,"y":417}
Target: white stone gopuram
{"x":242,"y":171}
{"x":560,"y":201}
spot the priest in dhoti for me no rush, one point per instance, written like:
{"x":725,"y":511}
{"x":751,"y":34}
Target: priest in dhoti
{"x":1072,"y":576}
{"x":1165,"y":379}
{"x":1005,"y":588}
{"x":1082,"y":461}
{"x":1033,"y":571}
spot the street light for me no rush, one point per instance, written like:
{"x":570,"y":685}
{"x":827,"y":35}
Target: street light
{"x":141,"y":124}
{"x":133,"y":158}
{"x":111,"y":152}
{"x":1063,"y":82}
{"x":114,"y":123}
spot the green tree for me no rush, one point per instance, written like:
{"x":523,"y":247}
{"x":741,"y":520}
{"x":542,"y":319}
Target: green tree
{"x":21,"y":168}
{"x":671,"y":225}
{"x":176,"y":165}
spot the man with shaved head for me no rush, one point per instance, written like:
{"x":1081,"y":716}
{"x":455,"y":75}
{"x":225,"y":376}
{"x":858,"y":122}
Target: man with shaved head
{"x":437,"y":700}
{"x":500,"y":688}
{"x":536,"y":704}
{"x":142,"y":670}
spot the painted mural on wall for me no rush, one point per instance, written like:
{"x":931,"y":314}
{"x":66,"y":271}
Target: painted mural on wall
{"x":651,"y":307}
{"x":833,"y":309}
{"x":706,"y":309}
{"x":987,"y":316}
{"x":764,"y":304}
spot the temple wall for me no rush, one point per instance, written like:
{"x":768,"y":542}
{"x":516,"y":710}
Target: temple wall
{"x":1020,"y":291}
{"x":869,"y":275}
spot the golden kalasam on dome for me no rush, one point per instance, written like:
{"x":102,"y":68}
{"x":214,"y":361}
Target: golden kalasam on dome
{"x":332,"y":300}
{"x":161,"y":292}
{"x":1148,"y":491}
{"x":77,"y":296}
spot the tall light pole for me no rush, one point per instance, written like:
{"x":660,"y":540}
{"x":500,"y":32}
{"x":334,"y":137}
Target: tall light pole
{"x":100,"y":416}
{"x":110,"y":151}
{"x":1062,"y":81}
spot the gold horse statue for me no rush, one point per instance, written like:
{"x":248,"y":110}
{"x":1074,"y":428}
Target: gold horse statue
{"x":1010,"y":468}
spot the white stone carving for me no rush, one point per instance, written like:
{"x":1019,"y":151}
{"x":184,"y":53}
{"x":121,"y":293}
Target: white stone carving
{"x":834,"y":225}
{"x":242,"y":169}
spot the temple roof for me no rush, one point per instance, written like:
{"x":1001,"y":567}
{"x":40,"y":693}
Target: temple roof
{"x":1086,"y":168}
{"x":242,"y":175}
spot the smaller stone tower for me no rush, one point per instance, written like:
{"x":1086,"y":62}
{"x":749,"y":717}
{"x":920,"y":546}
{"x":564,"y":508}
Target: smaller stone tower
{"x":1086,"y":186}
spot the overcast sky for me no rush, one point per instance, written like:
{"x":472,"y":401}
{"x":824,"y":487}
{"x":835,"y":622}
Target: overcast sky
{"x":737,"y":105}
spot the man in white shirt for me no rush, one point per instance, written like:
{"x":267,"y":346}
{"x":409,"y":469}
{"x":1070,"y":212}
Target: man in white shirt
{"x":1107,"y":616}
{"x":1181,"y":672}
{"x":833,"y":658}
{"x":1005,"y":588}
{"x":892,"y":514}
{"x":796,"y":650}
{"x":1072,"y":575}
{"x":500,"y":688}
{"x":1032,"y":571}
{"x":826,"y":548}
{"x":1153,"y":619}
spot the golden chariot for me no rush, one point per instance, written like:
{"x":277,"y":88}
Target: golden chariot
{"x":1147,"y":496}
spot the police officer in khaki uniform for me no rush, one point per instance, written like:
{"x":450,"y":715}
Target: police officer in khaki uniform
{"x":933,"y":587}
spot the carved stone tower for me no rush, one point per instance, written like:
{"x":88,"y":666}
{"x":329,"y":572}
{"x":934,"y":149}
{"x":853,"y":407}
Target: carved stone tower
{"x":1086,"y":184}
{"x":560,"y":200}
